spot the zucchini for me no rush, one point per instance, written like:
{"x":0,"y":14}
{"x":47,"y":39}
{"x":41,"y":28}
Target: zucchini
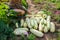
{"x":32,"y":22}
{"x":36,"y":24}
{"x":17,"y":24}
{"x":25,"y":24}
{"x":22,"y":22}
{"x":40,"y":27}
{"x":19,"y":32}
{"x":22,"y":29}
{"x":37,"y":19}
{"x":52,"y":28}
{"x":48,"y":22}
{"x":46,"y":29}
{"x":28,"y":22}
{"x":37,"y":33}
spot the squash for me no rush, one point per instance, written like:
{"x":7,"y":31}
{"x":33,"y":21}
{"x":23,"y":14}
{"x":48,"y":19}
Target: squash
{"x":36,"y":24}
{"x":40,"y":27}
{"x":25,"y":24}
{"x":22,"y":22}
{"x":20,"y":31}
{"x":52,"y":28}
{"x":28,"y":22}
{"x":37,"y":33}
{"x":46,"y":29}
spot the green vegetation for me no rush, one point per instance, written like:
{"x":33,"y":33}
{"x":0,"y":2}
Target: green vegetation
{"x":24,"y":3}
{"x":57,"y":17}
{"x":3,"y":12}
{"x":31,"y":37}
{"x":5,"y":31}
{"x":57,"y":33}
{"x":4,"y":0}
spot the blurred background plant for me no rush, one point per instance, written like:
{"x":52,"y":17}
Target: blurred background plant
{"x":24,"y":3}
{"x":57,"y":33}
{"x":47,"y":12}
{"x":4,"y":0}
{"x":57,"y":15}
{"x":3,"y":12}
{"x":5,"y":31}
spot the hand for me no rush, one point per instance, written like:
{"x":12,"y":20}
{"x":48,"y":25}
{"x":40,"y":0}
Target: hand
{"x":21,"y":12}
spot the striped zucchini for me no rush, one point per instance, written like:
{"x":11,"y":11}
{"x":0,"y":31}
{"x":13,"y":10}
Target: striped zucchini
{"x":52,"y":28}
{"x":19,"y":32}
{"x":37,"y":33}
{"x":45,"y":22}
{"x":36,"y":24}
{"x":32,"y":22}
{"x":22,"y":22}
{"x":37,"y":19}
{"x":28,"y":22}
{"x":22,"y":29}
{"x":48,"y":22}
{"x":40,"y":27}
{"x":17,"y":24}
{"x":46,"y":29}
{"x":25,"y":24}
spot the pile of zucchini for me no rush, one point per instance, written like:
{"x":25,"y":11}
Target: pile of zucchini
{"x":37,"y":23}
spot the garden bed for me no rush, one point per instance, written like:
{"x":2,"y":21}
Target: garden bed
{"x":12,"y":19}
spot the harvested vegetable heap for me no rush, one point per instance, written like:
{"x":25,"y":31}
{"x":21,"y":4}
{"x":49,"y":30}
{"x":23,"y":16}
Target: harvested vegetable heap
{"x":37,"y":23}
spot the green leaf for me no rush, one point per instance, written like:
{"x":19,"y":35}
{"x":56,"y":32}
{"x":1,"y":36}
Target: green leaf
{"x":24,"y":3}
{"x":31,"y":37}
